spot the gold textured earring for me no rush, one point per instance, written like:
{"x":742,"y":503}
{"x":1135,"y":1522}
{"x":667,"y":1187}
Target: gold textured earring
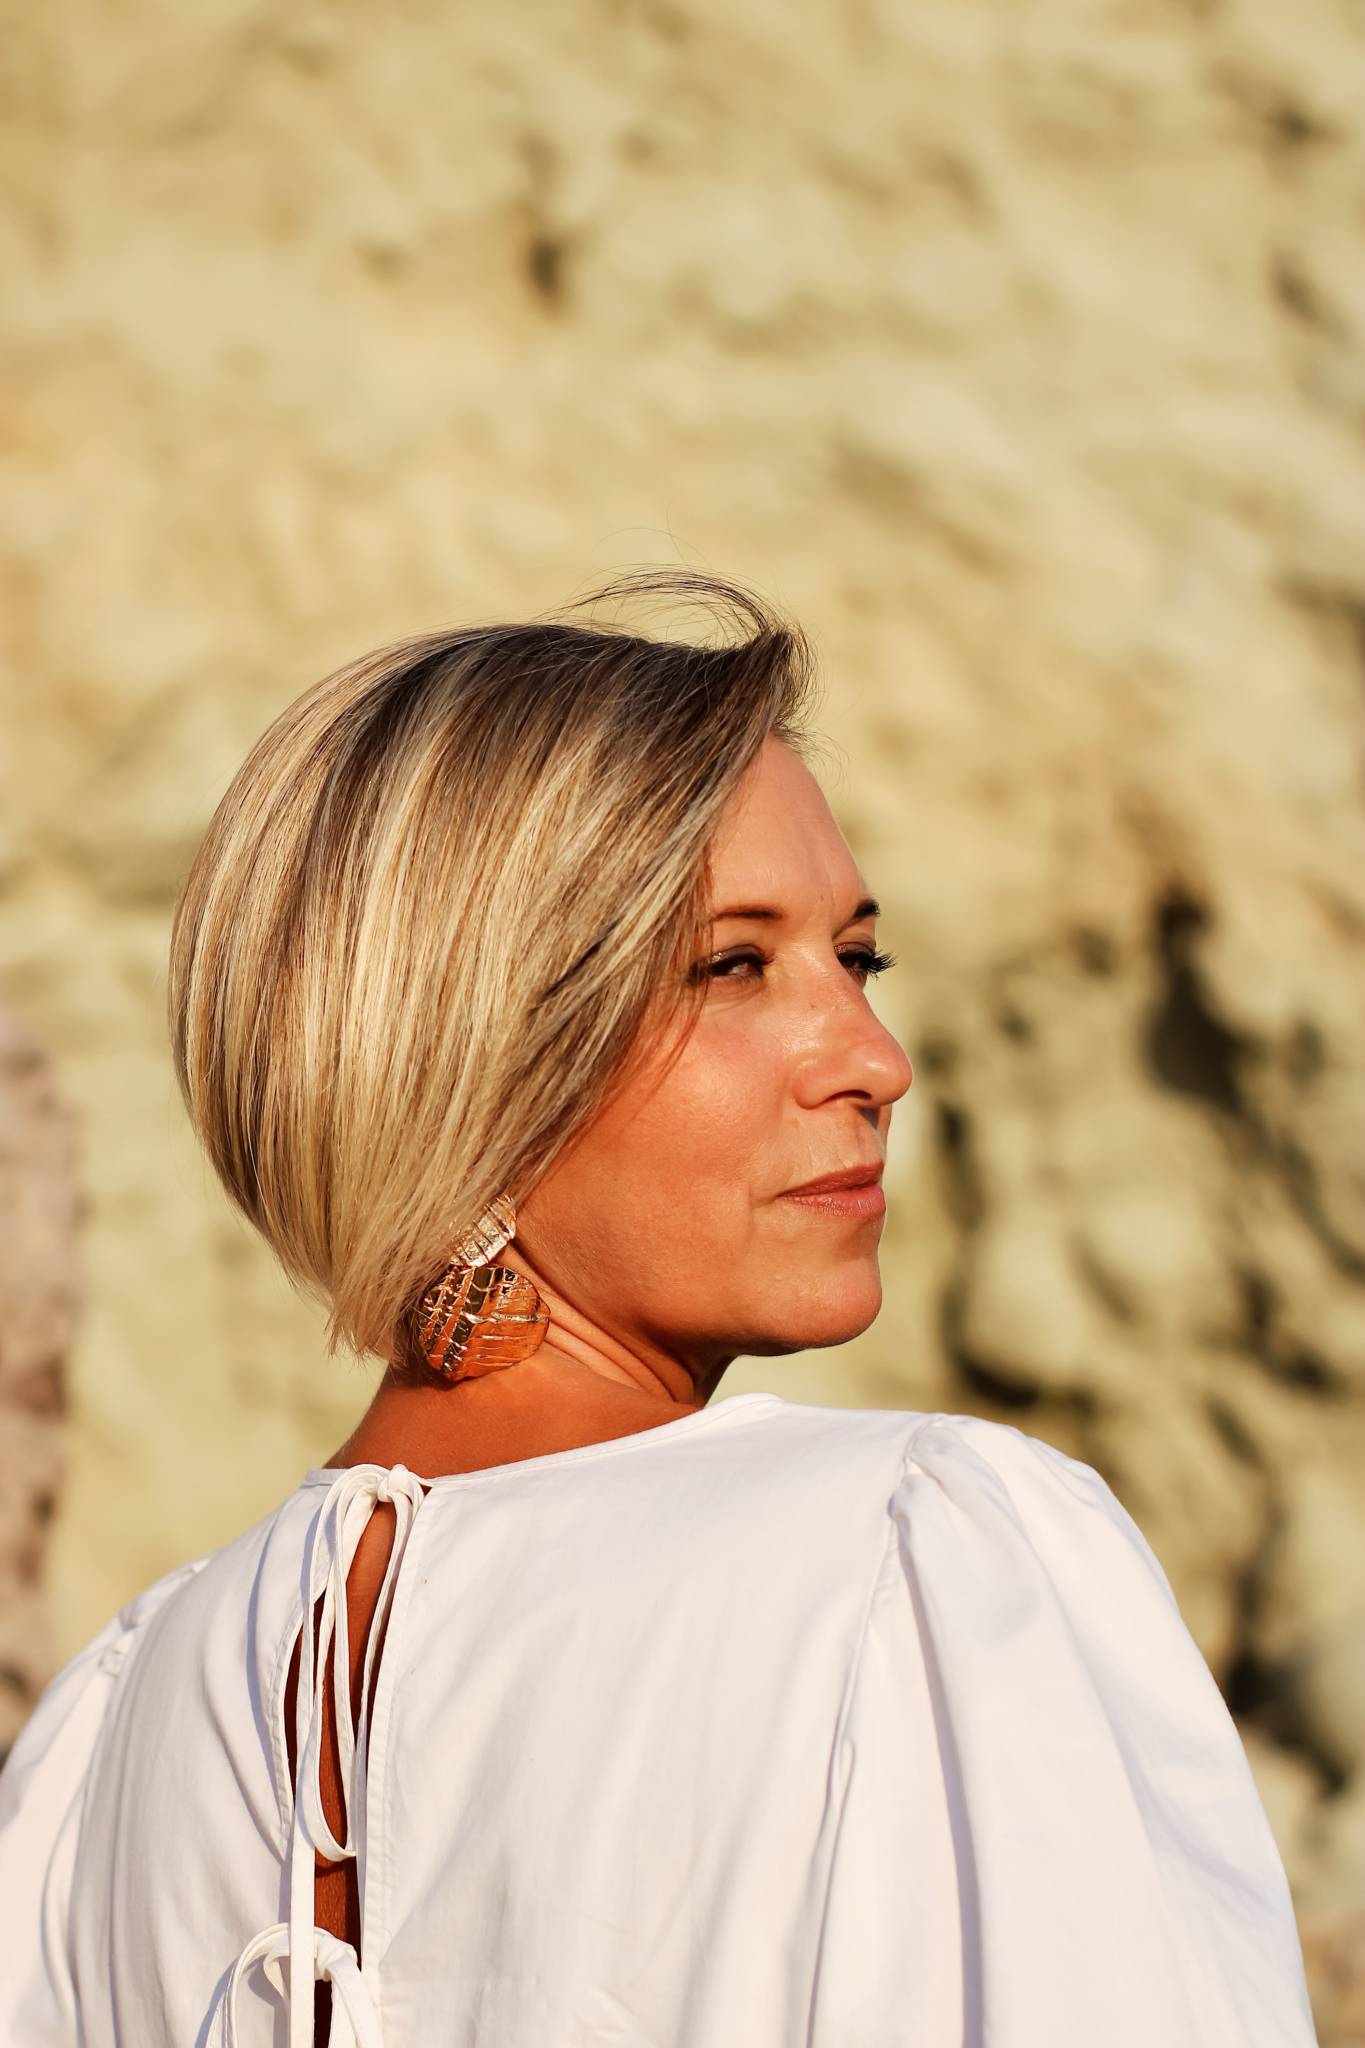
{"x":479,"y":1316}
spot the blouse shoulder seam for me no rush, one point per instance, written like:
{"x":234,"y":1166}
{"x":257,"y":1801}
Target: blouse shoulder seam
{"x":135,"y":1614}
{"x":920,"y":1426}
{"x":917,"y":1426}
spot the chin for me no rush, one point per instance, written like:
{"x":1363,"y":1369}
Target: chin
{"x":815,"y":1316}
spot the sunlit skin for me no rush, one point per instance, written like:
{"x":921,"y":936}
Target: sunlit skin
{"x":661,"y":1241}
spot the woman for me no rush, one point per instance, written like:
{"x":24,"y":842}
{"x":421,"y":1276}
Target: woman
{"x":518,"y":994}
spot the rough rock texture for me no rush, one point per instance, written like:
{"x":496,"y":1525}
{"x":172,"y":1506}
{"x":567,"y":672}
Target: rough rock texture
{"x":40,"y":1297}
{"x":1019,"y":350}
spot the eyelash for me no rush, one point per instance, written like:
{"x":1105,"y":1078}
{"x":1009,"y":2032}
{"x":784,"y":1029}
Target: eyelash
{"x":868,"y":959}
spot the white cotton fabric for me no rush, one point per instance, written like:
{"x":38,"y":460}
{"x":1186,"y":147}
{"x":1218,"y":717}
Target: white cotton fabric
{"x":775,"y":1726}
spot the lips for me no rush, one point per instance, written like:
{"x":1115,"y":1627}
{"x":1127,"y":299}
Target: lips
{"x":847,"y":1177}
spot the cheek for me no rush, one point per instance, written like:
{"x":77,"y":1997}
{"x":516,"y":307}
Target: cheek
{"x":670,"y":1173}
{"x":714,"y":1120}
{"x":687,"y":1151}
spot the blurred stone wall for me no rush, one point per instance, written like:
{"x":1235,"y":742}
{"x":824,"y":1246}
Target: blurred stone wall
{"x":40,"y":1299}
{"x":1018,"y":350}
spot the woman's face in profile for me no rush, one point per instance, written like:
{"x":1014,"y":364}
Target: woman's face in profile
{"x":667,"y":1221}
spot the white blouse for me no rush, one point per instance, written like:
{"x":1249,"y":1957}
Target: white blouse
{"x":775,"y":1726}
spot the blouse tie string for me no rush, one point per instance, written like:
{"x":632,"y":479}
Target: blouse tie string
{"x":355,"y":2024}
{"x":351,"y":1500}
{"x":313,"y":1953}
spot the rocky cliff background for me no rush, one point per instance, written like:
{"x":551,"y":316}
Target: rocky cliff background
{"x":1017,"y":349}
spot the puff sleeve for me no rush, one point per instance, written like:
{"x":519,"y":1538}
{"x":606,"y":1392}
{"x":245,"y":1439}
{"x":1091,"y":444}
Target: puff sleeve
{"x":42,"y":1787}
{"x":1048,"y":1831}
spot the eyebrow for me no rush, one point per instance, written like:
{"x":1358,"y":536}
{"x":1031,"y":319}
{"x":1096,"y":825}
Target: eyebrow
{"x":869,"y":907}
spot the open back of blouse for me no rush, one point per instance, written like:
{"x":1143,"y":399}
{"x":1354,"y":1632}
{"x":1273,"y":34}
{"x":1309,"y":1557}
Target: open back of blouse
{"x":323,"y":1697}
{"x":368,"y":1587}
{"x":777,"y":1725}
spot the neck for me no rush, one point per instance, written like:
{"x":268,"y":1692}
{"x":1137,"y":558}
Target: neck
{"x":580,"y":1386}
{"x":549,"y":1403}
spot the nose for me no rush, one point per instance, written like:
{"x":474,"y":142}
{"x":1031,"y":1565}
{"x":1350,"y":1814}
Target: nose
{"x":851,"y":1052}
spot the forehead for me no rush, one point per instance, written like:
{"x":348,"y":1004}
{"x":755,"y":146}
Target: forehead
{"x":779,"y":837}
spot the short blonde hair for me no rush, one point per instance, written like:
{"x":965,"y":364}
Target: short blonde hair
{"x":414,"y":951}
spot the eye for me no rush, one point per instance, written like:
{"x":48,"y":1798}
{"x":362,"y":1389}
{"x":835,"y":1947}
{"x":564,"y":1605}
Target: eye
{"x":867,"y":961}
{"x":716,"y":967}
{"x":863,"y":961}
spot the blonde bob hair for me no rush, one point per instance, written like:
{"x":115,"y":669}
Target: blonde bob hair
{"x":414,"y":952}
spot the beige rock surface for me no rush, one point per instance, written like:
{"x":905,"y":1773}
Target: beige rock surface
{"x":40,"y":1299}
{"x":1019,"y":351}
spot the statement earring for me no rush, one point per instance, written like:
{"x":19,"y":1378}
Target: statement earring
{"x":479,"y":1316}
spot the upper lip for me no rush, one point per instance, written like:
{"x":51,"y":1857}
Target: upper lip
{"x":847,"y":1177}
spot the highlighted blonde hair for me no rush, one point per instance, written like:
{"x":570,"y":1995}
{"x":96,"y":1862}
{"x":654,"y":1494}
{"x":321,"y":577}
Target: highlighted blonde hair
{"x":433,"y":911}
